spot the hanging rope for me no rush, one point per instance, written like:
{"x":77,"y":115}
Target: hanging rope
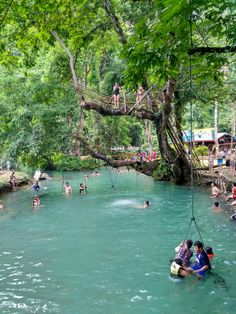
{"x":192,"y":220}
{"x":110,"y":176}
{"x":62,"y":181}
{"x":137,"y":185}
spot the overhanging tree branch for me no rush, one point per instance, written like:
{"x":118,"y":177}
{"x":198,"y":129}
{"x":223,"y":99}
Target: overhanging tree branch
{"x":7,"y":10}
{"x":67,"y":50}
{"x":139,"y":114}
{"x":144,"y":167}
{"x":205,"y":50}
{"x":114,"y":19}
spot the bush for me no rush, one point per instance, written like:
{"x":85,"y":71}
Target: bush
{"x":201,"y":150}
{"x":61,"y":161}
{"x":162,"y":172}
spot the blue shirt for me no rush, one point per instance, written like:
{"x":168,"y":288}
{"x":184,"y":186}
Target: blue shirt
{"x":202,"y":260}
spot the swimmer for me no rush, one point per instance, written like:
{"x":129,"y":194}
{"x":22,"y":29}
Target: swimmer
{"x":2,"y":206}
{"x":82,"y":188}
{"x":68,"y":188}
{"x":146,"y":204}
{"x":36,"y":201}
{"x":216,"y":208}
{"x":210,"y":253}
{"x":36,"y":186}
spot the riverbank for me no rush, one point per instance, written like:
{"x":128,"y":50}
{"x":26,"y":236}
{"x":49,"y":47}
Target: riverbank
{"x":21,"y":180}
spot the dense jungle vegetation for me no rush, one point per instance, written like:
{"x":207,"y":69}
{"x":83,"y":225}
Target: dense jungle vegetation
{"x":60,"y":59}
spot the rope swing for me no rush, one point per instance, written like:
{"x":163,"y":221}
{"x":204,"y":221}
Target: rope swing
{"x":193,"y":219}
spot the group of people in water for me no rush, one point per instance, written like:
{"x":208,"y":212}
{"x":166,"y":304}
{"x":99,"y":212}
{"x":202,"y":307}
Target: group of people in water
{"x":82,"y":186}
{"x":68,"y":188}
{"x":182,"y":265}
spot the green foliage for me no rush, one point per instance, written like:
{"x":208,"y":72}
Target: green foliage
{"x":162,"y":172}
{"x":63,"y":162}
{"x":39,"y":109}
{"x":201,"y":150}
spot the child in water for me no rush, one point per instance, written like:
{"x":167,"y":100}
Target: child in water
{"x":82,"y":188}
{"x":210,"y":253}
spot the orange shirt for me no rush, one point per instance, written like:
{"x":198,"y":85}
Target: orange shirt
{"x":211,"y":256}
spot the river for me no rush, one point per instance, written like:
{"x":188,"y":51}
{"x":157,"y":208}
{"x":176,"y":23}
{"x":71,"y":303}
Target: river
{"x":103,"y":253}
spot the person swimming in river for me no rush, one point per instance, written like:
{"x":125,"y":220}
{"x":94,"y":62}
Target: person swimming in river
{"x":146,"y":204}
{"x":36,"y":186}
{"x":2,"y":206}
{"x":68,"y":188}
{"x":36,"y":201}
{"x":95,"y":174}
{"x":209,"y":252}
{"x":82,"y":188}
{"x":86,"y":177}
{"x":216,"y":207}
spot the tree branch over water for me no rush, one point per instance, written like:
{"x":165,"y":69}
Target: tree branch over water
{"x":204,"y":50}
{"x":141,"y":166}
{"x":139,"y":114}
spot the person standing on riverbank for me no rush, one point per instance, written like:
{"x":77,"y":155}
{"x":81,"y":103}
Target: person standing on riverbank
{"x":220,"y":157}
{"x":12,"y":180}
{"x":211,"y":162}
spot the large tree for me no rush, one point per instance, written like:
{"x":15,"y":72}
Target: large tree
{"x":155,"y":40}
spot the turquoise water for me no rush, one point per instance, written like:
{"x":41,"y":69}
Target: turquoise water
{"x":103,"y":253}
